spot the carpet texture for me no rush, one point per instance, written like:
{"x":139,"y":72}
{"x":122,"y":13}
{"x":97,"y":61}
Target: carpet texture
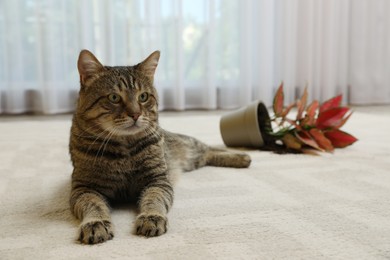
{"x":332,"y":206}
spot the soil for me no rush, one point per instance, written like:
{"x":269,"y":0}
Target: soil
{"x":265,"y":124}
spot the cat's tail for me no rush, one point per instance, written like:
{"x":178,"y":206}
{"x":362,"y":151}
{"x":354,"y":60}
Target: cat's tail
{"x":224,"y":158}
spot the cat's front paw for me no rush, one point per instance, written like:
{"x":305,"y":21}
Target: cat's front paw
{"x":96,"y":232}
{"x":151,"y":225}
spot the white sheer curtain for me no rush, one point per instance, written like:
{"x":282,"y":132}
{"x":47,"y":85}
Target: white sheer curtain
{"x":215,"y":53}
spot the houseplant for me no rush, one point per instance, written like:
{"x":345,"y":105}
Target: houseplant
{"x":314,"y":126}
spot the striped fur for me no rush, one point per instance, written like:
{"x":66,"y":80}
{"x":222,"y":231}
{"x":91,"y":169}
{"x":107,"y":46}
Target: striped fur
{"x":120,"y":153}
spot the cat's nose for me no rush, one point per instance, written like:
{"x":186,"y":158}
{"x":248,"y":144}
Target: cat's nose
{"x":135,"y":116}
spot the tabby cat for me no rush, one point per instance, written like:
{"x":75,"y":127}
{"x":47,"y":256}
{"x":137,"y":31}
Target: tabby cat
{"x":120,"y":153}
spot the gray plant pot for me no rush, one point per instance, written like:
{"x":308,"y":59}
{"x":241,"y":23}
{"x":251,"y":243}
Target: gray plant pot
{"x":246,"y":127}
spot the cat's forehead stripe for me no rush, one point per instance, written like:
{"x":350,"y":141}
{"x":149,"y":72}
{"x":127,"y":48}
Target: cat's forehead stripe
{"x":136,"y":85}
{"x":132,"y":81}
{"x":123,"y":81}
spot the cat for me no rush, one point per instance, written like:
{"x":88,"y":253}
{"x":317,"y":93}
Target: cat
{"x":120,"y":153}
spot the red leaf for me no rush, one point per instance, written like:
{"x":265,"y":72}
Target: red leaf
{"x":302,"y":104}
{"x":294,"y":123}
{"x":331,"y":103}
{"x":308,"y":140}
{"x":331,"y":118}
{"x":312,"y":108}
{"x":340,"y":139}
{"x":321,"y":140}
{"x":309,"y":119}
{"x":287,"y":110}
{"x":278,"y":101}
{"x":342,"y":121}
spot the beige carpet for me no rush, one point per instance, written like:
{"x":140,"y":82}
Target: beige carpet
{"x":333,"y":206}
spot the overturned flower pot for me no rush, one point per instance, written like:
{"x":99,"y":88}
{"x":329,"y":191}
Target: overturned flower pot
{"x":315,"y":126}
{"x":247,"y":127}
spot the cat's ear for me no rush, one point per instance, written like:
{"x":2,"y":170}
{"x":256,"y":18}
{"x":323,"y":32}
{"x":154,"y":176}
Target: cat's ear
{"x":88,"y":65}
{"x":149,"y":65}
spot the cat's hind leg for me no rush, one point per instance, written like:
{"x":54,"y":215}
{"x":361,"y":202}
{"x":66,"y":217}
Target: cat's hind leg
{"x":225,"y":158}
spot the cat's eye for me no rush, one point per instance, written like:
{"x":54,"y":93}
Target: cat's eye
{"x":114,"y":98}
{"x":143,"y":97}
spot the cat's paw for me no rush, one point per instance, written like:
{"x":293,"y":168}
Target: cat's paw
{"x":151,"y":225}
{"x":243,"y":160}
{"x":96,"y":232}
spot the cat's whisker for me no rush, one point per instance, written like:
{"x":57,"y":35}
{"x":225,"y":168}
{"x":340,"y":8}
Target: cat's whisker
{"x":108,"y":140}
{"x":98,"y":136}
{"x":119,"y":124}
{"x":151,"y":131}
{"x":95,"y":125}
{"x":101,"y":146}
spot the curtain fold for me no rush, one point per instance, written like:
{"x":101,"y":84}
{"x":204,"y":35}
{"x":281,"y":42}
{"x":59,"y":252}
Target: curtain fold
{"x":370,"y":52}
{"x":215,"y":53}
